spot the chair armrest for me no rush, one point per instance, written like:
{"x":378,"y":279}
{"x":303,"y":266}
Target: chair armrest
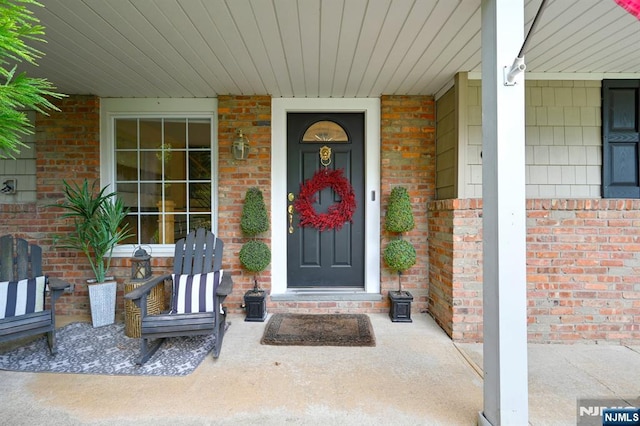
{"x":146,"y":288}
{"x":56,"y":284}
{"x":56,"y":289}
{"x":226,"y":286}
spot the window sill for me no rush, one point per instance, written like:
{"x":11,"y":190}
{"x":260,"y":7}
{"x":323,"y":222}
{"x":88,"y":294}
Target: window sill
{"x":155,"y":250}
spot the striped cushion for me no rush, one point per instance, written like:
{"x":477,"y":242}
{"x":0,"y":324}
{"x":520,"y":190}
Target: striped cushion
{"x":22,"y":297}
{"x":194,"y":293}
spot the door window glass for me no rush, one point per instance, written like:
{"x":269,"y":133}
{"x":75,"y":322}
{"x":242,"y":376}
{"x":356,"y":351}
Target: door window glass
{"x":325,"y":131}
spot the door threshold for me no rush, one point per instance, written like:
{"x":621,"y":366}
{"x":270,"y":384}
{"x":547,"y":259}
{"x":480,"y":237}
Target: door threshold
{"x":324,"y":294}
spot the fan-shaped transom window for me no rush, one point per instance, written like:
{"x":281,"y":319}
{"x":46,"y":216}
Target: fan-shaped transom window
{"x":325,"y":131}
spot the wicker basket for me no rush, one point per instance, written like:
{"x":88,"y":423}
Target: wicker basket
{"x":155,"y":305}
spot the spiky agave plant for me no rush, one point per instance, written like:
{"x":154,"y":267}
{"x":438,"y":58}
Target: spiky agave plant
{"x":97,"y":218}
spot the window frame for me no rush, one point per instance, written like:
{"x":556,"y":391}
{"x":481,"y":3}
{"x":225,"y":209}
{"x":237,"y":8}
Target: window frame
{"x":112,"y":108}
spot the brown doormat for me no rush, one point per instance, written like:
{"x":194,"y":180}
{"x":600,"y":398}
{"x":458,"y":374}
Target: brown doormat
{"x":319,"y":330}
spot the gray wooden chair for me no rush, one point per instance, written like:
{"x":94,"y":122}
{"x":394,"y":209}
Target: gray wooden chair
{"x":23,"y":290}
{"x":197,"y":260}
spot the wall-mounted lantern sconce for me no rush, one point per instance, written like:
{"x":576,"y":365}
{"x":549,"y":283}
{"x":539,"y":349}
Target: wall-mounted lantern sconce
{"x":9,"y":186}
{"x":240,"y":146}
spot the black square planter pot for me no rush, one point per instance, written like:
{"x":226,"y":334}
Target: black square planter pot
{"x":255,"y":305}
{"x":400,"y":306}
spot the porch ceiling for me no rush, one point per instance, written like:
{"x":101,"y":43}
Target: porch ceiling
{"x":311,"y":48}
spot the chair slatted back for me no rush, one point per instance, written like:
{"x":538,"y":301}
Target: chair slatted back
{"x":20,"y":261}
{"x":200,"y":252}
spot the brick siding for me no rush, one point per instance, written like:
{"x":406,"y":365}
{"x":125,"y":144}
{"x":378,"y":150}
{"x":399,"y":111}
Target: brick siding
{"x":252,"y":114}
{"x":455,"y":269}
{"x":582,"y":259}
{"x":67,"y":147}
{"x":582,"y":254}
{"x":407,"y":133}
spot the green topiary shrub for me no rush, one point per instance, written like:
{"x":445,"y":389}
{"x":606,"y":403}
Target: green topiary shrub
{"x":255,"y":219}
{"x":255,"y":256}
{"x":399,"y":255}
{"x":399,"y":216}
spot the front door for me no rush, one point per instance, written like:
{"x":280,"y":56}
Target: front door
{"x":333,"y":257}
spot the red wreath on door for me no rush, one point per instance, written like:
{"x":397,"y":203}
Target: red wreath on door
{"x":337,"y":214}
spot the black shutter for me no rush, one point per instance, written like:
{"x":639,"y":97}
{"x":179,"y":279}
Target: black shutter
{"x":620,"y":139}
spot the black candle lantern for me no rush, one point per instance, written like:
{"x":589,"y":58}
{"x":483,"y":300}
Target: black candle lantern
{"x":140,"y":265}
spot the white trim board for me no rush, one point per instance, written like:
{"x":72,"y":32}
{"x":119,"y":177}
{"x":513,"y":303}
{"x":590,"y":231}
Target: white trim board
{"x":279,"y":109}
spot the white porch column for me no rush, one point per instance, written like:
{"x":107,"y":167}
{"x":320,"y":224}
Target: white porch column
{"x":504,"y":218}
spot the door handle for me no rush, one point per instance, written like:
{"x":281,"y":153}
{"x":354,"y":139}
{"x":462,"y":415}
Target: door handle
{"x":290,"y":212}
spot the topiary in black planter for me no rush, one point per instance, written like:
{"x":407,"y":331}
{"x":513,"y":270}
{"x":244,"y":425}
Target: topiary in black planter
{"x":255,"y":255}
{"x":399,"y":255}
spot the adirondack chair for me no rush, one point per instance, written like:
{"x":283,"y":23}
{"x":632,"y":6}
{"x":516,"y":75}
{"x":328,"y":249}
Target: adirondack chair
{"x":23,"y":288}
{"x":197,"y":265}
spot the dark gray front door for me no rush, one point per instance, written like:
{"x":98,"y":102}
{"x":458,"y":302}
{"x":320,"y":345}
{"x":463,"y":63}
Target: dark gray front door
{"x":330,"y":258}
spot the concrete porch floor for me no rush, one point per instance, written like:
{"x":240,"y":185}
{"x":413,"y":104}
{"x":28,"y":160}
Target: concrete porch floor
{"x":415,"y":375}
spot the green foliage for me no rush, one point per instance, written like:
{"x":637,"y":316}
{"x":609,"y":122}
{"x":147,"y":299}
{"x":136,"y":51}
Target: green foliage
{"x":399,"y":255}
{"x":255,"y":219}
{"x":399,"y":216}
{"x":96,"y":219}
{"x":255,"y":255}
{"x":17,"y":91}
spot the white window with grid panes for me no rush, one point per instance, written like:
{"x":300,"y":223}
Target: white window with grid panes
{"x":161,"y":160}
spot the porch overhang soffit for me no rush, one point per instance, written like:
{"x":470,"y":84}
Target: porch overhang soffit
{"x":311,"y":49}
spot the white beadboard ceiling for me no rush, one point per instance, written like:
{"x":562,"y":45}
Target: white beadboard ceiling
{"x":310,"y":48}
